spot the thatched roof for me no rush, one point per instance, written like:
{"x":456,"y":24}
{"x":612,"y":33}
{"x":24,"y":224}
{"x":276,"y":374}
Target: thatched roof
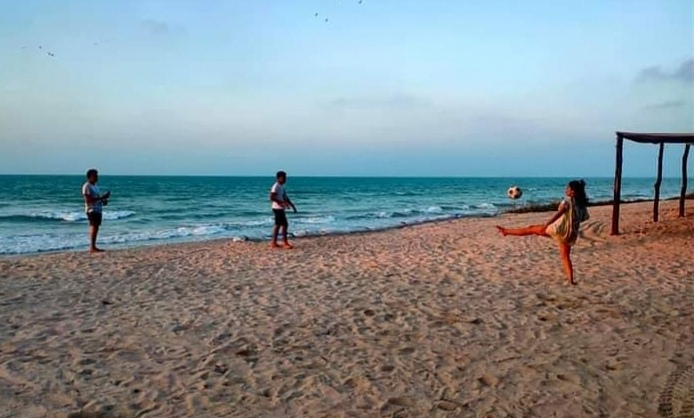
{"x":657,"y":138}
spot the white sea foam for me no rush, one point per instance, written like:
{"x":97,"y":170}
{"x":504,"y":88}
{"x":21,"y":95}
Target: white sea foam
{"x":315,"y":220}
{"x":81,"y":216}
{"x":486,"y":206}
{"x":434,"y":209}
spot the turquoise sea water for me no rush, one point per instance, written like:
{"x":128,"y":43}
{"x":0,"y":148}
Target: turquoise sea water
{"x":45,"y":213}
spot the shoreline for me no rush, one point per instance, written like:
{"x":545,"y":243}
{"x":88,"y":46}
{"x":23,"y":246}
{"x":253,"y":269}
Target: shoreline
{"x":529,"y":209}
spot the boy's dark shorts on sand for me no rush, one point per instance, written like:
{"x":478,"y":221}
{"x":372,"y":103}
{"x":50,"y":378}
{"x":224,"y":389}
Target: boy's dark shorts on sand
{"x":280,"y":217}
{"x":94,"y":218}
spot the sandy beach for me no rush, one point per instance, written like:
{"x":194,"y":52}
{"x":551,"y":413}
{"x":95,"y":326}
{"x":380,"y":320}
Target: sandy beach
{"x":437,"y":320}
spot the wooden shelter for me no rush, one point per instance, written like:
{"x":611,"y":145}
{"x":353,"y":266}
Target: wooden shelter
{"x":686,"y":139}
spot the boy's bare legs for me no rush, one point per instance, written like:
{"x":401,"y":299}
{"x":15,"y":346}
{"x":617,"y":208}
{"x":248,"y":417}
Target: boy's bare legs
{"x":278,"y":230}
{"x":275,"y":233}
{"x":285,"y":236}
{"x":93,"y":232}
{"x":565,"y":252}
{"x":521,"y":232}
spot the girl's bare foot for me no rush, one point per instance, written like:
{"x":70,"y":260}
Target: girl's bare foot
{"x":502,"y":230}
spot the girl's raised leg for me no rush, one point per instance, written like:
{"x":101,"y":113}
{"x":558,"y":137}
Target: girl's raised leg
{"x":521,"y":232}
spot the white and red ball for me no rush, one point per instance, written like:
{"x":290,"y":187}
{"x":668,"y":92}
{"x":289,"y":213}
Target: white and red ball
{"x":514,"y":192}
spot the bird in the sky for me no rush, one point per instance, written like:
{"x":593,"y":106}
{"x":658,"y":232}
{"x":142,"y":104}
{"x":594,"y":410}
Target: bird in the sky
{"x":40,"y":47}
{"x":361,"y":1}
{"x":50,"y":54}
{"x":315,"y":15}
{"x":326,"y":19}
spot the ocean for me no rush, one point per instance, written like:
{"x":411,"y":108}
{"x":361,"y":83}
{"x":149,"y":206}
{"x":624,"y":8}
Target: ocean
{"x":46,"y":213}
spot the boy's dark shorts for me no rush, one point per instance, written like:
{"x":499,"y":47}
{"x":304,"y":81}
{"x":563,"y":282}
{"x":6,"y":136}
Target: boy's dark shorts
{"x":94,"y":218}
{"x":280,"y":217}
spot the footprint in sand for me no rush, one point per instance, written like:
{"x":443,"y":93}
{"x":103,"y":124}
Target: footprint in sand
{"x":282,"y":329}
{"x":244,"y":352}
{"x":407,"y":350}
{"x":221,"y":368}
{"x":248,"y":355}
{"x":613,"y":364}
{"x":359,"y":383}
{"x":86,"y":372}
{"x":404,"y":401}
{"x":489,"y":380}
{"x":447,"y":406}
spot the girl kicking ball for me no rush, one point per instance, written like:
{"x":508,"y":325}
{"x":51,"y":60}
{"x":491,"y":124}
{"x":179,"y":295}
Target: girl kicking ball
{"x":564,"y":225}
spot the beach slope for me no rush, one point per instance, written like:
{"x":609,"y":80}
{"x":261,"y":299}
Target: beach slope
{"x":437,"y":320}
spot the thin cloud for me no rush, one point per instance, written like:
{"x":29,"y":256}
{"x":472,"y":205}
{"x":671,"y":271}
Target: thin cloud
{"x":396,"y":101}
{"x":160,"y":28}
{"x":667,"y":105}
{"x":686,"y":71}
{"x":683,"y":73}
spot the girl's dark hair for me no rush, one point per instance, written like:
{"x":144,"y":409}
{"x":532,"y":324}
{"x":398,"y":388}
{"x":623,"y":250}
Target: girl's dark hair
{"x":579,"y":188}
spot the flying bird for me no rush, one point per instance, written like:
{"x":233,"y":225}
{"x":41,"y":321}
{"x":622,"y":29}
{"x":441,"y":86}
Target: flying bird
{"x":50,"y":54}
{"x":326,"y":19}
{"x":315,"y":15}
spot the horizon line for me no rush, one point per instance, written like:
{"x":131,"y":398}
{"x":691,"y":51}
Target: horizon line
{"x":334,"y":176}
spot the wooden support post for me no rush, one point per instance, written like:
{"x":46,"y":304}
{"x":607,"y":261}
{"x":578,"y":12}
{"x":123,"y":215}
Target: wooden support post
{"x":683,"y":191}
{"x":658,"y":182}
{"x":617,"y":185}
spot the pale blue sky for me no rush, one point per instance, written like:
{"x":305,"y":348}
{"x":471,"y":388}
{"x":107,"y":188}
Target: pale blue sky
{"x":386,"y":87}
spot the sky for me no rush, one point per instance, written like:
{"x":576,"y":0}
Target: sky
{"x":382,"y":88}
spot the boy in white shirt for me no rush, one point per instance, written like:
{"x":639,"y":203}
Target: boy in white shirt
{"x":94,"y":202}
{"x":280,"y":201}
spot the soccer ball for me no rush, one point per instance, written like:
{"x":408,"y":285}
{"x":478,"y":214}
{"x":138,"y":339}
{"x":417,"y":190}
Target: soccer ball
{"x":514,"y":192}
